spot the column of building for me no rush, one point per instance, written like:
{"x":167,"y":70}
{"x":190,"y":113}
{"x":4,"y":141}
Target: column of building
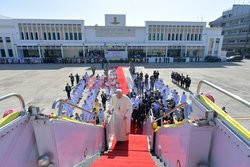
{"x":5,"y":48}
{"x":62,"y":53}
{"x":0,"y":49}
{"x":214,"y":43}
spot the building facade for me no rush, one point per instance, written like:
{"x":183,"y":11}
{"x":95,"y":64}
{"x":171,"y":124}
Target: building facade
{"x":235,"y":25}
{"x":157,"y":41}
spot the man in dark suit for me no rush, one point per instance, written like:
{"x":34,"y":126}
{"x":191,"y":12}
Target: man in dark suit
{"x":68,"y":90}
{"x":77,"y":78}
{"x":72,"y":79}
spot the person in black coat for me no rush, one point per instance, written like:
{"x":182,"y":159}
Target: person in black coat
{"x":77,"y":78}
{"x":72,"y":79}
{"x":68,"y":90}
{"x":104,"y":100}
{"x":188,"y":82}
{"x":146,"y":79}
{"x":182,"y":80}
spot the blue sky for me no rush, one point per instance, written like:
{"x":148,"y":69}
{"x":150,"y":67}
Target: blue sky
{"x":137,"y":11}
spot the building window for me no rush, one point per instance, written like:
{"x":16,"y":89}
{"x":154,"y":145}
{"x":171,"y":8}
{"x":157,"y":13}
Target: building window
{"x":1,"y":39}
{"x":188,"y":37}
{"x":27,"y":36}
{"x":3,"y":53}
{"x":192,"y":37}
{"x":217,"y":40}
{"x":54,"y":36}
{"x":195,"y":37}
{"x":176,"y":37}
{"x":149,"y":36}
{"x":75,"y":36}
{"x":8,"y":39}
{"x":180,"y":37}
{"x":199,"y":37}
{"x":66,"y":36}
{"x":45,"y":36}
{"x":10,"y":52}
{"x":158,"y":36}
{"x":31,"y":36}
{"x":36,"y":36}
{"x":22,"y":36}
{"x":80,"y":36}
{"x":153,"y":37}
{"x":49,"y":35}
{"x":58,"y":36}
{"x":71,"y":36}
{"x":172,"y":37}
{"x":162,"y":36}
{"x":169,"y":37}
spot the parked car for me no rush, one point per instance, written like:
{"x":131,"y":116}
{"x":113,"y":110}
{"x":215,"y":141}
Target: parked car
{"x":236,"y":58}
{"x":212,"y":59}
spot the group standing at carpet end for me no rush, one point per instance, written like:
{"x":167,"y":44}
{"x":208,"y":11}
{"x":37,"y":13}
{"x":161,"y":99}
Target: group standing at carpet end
{"x":181,"y":80}
{"x":151,"y":93}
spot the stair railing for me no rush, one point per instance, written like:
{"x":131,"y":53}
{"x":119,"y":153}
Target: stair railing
{"x":170,"y":112}
{"x":60,"y":107}
{"x":239,"y":99}
{"x":20,"y":98}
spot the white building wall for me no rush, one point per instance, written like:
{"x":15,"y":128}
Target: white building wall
{"x":7,"y":29}
{"x":91,"y":37}
{"x":212,"y":34}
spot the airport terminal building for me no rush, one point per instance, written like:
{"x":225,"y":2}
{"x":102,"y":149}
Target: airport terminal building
{"x":157,"y":41}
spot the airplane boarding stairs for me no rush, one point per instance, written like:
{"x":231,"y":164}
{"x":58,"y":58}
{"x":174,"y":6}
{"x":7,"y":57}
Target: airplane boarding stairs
{"x":215,"y":140}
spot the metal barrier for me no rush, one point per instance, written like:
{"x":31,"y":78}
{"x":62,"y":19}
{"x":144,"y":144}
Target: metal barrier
{"x":60,"y":107}
{"x":239,"y":99}
{"x":20,"y":98}
{"x":170,"y":112}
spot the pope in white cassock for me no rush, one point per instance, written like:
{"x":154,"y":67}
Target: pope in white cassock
{"x":122,"y":107}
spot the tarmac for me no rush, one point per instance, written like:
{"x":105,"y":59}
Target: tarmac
{"x":41,"y":84}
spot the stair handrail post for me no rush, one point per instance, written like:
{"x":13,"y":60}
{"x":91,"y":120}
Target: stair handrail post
{"x":20,"y":98}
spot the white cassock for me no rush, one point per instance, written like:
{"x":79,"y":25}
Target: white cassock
{"x":177,"y":99}
{"x":122,"y":108}
{"x":167,"y":90}
{"x":183,"y":98}
{"x":86,"y":115}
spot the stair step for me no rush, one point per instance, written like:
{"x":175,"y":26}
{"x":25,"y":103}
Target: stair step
{"x":133,"y":153}
{"x":124,"y":159}
{"x":121,"y":165}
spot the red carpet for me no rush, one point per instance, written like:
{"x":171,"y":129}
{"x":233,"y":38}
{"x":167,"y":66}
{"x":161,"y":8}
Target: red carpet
{"x":132,"y":153}
{"x":135,"y":128}
{"x":122,"y":80}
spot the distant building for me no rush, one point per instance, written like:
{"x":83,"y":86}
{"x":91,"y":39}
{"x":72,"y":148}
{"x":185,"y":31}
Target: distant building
{"x":235,"y":25}
{"x":157,"y":41}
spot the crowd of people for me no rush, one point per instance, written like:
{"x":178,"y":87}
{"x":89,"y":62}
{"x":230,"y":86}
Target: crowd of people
{"x":181,"y":80}
{"x":51,"y":60}
{"x":90,"y":85}
{"x":150,"y":93}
